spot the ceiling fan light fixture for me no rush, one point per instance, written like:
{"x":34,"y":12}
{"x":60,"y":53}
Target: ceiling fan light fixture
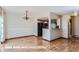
{"x":26,"y":15}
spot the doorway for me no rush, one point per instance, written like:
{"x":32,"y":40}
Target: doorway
{"x":71,"y":27}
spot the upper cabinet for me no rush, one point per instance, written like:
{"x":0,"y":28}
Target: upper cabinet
{"x":44,"y":21}
{"x":55,"y":21}
{"x":52,"y":22}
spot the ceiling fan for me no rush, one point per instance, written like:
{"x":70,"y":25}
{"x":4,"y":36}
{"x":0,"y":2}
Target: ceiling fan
{"x":26,"y":15}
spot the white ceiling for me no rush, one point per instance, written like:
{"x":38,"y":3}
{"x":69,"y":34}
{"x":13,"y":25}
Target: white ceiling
{"x":55,"y":9}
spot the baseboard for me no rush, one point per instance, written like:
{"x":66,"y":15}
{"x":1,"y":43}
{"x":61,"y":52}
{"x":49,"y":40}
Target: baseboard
{"x":76,"y":36}
{"x":30,"y":36}
{"x":53,"y":39}
{"x":16,"y":38}
{"x":58,"y":38}
{"x":64,"y":38}
{"x":19,"y":37}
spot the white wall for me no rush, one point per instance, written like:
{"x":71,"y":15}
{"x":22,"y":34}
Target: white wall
{"x":77,"y":26}
{"x":17,"y":26}
{"x":65,"y":20}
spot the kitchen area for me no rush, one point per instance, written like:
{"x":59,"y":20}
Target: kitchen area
{"x":49,"y":28}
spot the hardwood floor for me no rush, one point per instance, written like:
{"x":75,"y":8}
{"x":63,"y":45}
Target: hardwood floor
{"x":37,"y":44}
{"x":74,"y":45}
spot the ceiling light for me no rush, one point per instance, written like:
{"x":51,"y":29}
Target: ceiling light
{"x":75,"y":13}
